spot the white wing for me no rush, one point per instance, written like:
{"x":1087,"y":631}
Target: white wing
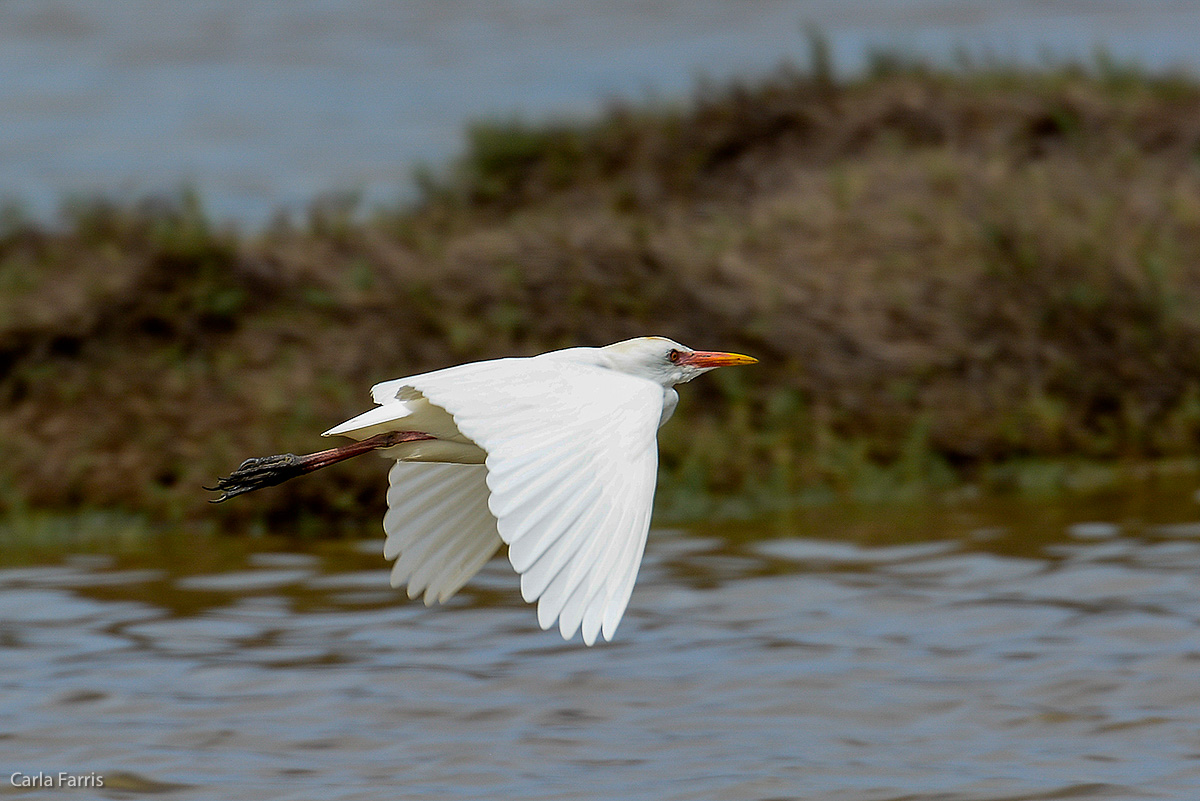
{"x":438,"y":527}
{"x":571,"y":464}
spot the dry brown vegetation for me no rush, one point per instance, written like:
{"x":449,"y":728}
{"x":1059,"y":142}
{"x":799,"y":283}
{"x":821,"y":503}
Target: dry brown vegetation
{"x":941,"y":273}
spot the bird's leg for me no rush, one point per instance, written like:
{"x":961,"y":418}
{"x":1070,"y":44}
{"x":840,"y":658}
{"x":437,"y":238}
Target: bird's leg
{"x":267,"y":471}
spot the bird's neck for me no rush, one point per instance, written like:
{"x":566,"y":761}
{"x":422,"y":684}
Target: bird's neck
{"x":670,"y":401}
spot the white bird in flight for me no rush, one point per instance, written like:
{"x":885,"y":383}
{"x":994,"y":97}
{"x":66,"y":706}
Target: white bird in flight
{"x":554,"y":455}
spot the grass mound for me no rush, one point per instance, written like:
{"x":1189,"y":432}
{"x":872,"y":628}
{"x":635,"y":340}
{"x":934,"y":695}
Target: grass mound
{"x":943,"y":273}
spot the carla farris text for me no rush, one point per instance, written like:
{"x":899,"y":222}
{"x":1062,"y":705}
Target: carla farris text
{"x":60,"y":779}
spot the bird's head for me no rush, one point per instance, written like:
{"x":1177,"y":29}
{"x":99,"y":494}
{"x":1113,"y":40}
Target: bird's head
{"x":665,"y":361}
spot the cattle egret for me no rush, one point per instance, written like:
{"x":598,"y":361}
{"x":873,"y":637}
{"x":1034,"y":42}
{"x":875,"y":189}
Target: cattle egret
{"x":553,"y":455}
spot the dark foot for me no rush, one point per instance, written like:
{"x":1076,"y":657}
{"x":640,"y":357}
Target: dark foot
{"x":259,"y":472}
{"x":267,"y":471}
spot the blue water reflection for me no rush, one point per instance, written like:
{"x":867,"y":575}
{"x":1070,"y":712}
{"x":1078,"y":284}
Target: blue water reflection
{"x":848,"y":656}
{"x":264,"y":106}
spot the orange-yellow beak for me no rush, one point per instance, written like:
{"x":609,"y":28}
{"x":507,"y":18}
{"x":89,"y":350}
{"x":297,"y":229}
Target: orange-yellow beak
{"x":709,"y":358}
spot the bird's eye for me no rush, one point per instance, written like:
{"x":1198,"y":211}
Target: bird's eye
{"x":674,"y":356}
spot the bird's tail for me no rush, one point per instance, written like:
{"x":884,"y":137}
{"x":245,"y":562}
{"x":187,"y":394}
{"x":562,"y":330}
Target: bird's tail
{"x":267,"y":471}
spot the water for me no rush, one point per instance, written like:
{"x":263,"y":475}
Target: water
{"x":264,"y":106}
{"x":975,"y":652}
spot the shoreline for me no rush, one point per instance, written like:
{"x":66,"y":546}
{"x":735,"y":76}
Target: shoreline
{"x":949,"y":278}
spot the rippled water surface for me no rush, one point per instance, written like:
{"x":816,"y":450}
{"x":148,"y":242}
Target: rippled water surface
{"x":967,"y":652}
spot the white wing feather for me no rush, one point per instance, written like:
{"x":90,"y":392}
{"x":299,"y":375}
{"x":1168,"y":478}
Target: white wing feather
{"x":438,"y":527}
{"x":571,"y":463}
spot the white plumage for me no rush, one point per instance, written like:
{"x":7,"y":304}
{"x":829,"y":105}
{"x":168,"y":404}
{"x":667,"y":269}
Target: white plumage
{"x":554,"y":455}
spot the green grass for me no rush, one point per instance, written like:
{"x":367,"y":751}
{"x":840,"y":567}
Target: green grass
{"x":982,"y":277}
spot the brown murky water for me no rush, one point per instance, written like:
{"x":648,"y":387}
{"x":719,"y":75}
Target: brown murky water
{"x":1015,"y":652}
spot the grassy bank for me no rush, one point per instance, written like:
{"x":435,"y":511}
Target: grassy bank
{"x":950,"y":278}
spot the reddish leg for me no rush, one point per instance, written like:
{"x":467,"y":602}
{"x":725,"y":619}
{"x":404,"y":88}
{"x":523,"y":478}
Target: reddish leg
{"x":267,"y":471}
